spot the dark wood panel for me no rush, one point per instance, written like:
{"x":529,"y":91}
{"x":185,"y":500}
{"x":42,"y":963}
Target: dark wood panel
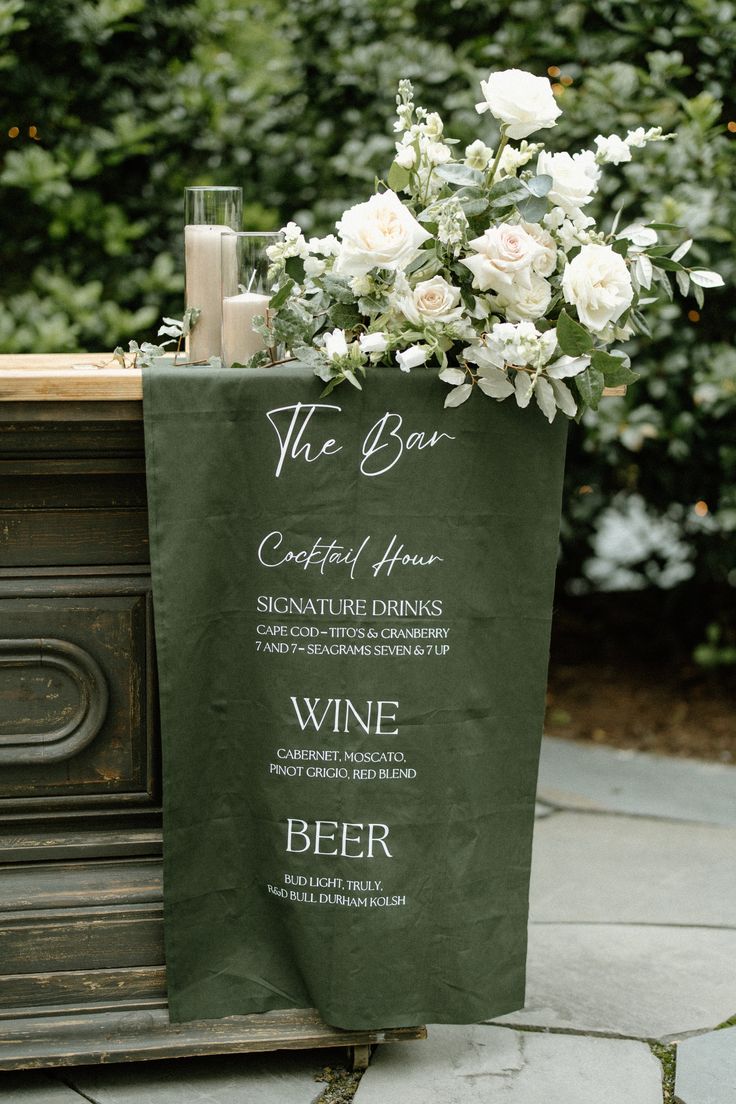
{"x":115,"y":630}
{"x":38,"y":537}
{"x":62,"y":490}
{"x":82,"y":939}
{"x":29,"y":844}
{"x":55,"y":886}
{"x":82,"y":990}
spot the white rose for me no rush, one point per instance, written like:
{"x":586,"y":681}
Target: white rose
{"x":522,"y":102}
{"x":413,"y":357}
{"x":374,"y":342}
{"x":574,"y":178}
{"x":335,"y":344}
{"x":381,"y":233}
{"x":612,"y":150}
{"x":504,"y":257}
{"x":431,"y":301}
{"x":527,"y":304}
{"x":597,"y":282}
{"x":546,"y":262}
{"x":478,"y":155}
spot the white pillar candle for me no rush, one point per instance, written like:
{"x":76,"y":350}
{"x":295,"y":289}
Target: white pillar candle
{"x":203,"y":259}
{"x":239,"y":340}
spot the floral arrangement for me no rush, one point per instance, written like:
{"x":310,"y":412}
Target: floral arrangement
{"x":485,"y":267}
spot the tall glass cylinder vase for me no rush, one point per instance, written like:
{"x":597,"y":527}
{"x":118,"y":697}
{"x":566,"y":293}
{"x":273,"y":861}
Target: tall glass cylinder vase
{"x":246,"y":292}
{"x":209,"y":214}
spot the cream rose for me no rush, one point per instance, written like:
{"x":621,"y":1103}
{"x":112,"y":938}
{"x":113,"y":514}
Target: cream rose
{"x":504,"y":258}
{"x":520,"y":101}
{"x":526,"y":304}
{"x":546,"y":262}
{"x":597,"y":282}
{"x":574,"y":178}
{"x":381,"y":233}
{"x":431,"y":301}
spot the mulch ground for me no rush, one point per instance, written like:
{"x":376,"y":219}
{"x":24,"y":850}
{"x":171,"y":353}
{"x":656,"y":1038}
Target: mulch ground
{"x":613,"y":682}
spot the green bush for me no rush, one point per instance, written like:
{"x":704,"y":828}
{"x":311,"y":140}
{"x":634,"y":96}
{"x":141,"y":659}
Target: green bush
{"x":133,"y":101}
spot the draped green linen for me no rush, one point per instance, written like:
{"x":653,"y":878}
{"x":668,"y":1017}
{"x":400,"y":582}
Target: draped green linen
{"x":352,"y":601}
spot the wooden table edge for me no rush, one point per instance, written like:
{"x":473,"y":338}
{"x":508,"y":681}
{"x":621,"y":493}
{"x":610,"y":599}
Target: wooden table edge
{"x":82,"y":377}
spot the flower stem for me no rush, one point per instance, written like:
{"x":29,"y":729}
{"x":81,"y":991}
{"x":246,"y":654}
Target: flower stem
{"x":497,"y":158}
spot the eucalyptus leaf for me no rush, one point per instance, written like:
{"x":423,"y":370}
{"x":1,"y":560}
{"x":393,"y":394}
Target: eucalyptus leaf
{"x":533,"y":209}
{"x":539,"y":185}
{"x":455,"y":173}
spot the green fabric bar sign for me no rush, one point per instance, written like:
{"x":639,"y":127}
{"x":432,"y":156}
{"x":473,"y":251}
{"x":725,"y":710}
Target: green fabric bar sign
{"x":352,"y":600}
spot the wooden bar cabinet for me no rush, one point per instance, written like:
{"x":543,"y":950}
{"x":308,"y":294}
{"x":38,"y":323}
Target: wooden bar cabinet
{"x":82,"y":971}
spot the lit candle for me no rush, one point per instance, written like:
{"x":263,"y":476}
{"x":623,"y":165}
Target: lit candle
{"x":239,"y":340}
{"x":203,"y":251}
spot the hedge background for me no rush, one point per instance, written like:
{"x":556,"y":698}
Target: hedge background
{"x":132,"y":101}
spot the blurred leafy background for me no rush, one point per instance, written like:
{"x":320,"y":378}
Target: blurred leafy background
{"x":132,"y":101}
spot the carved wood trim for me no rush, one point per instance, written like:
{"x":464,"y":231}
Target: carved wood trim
{"x":63,"y":742}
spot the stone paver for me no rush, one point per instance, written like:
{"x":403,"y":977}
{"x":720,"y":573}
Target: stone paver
{"x":35,"y":1087}
{"x":578,"y":777}
{"x":706,"y":1069}
{"x":645,"y":981}
{"x":286,"y":1077}
{"x":481,"y":1064}
{"x":620,"y":870}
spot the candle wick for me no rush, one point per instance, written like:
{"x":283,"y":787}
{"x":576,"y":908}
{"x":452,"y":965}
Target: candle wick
{"x":252,"y":278}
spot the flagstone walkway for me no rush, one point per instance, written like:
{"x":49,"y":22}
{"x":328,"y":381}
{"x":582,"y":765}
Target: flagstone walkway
{"x":632,"y":959}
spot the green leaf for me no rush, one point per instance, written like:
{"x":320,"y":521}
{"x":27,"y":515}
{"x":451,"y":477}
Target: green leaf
{"x":345,"y":316}
{"x":337,"y":288}
{"x":590,"y":384}
{"x":572,"y":338}
{"x":294,"y":267}
{"x":614,"y":371}
{"x":621,"y":246}
{"x":352,"y":379}
{"x":281,"y":295}
{"x":398,"y":177}
{"x":666,"y":263}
